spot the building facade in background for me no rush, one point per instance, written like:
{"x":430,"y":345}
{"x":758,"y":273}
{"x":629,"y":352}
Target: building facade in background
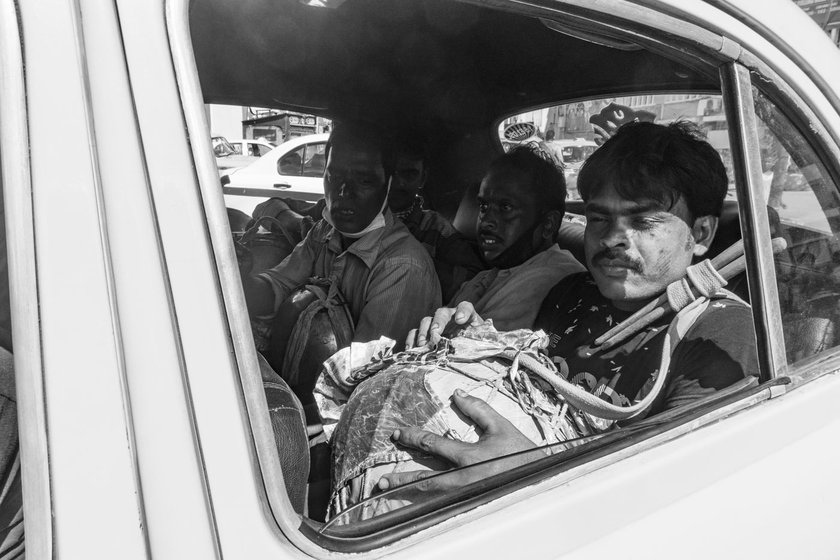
{"x":826,"y":13}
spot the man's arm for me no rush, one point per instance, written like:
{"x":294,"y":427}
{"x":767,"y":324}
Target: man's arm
{"x":498,"y":439}
{"x":266,"y":290}
{"x":400,"y":291}
{"x":258,"y":295}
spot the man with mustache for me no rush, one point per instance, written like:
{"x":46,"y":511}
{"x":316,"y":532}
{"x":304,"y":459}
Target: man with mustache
{"x":653,"y":195}
{"x":383,"y":273}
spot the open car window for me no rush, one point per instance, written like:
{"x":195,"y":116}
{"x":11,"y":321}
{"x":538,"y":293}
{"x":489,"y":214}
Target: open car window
{"x":466,"y":125}
{"x":573,"y":131}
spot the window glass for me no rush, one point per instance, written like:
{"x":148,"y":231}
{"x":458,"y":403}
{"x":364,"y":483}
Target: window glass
{"x":291,"y":163}
{"x":803,"y":204}
{"x":11,"y":506}
{"x":314,"y":160}
{"x":261,"y":150}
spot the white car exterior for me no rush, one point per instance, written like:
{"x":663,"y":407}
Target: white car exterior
{"x":143,"y":428}
{"x":251,"y":147}
{"x":293,"y":169}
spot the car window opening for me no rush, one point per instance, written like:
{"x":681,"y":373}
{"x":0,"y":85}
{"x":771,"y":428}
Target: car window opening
{"x":414,"y":215}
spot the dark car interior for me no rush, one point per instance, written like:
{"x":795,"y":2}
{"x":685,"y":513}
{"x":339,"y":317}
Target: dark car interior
{"x":451,"y":71}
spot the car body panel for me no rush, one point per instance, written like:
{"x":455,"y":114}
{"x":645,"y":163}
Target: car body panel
{"x":251,"y":147}
{"x":155,"y":433}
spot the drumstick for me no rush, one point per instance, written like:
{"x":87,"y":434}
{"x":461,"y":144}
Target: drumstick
{"x":729,"y":264}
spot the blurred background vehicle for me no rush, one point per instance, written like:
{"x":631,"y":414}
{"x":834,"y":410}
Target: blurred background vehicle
{"x":228,"y":158}
{"x":294,"y":169}
{"x":251,"y":146}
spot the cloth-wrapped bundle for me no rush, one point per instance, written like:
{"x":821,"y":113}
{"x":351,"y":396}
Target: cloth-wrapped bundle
{"x":413,"y":388}
{"x":361,"y":410}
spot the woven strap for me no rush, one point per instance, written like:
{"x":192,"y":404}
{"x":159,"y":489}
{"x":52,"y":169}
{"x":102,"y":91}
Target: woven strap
{"x":591,"y":404}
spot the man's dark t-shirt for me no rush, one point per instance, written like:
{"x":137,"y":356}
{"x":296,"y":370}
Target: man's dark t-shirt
{"x":717,"y":351}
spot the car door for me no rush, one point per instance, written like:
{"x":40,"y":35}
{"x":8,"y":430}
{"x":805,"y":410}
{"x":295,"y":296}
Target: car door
{"x":145,"y":430}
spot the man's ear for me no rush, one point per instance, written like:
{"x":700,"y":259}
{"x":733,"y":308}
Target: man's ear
{"x":551,"y":225}
{"x":703,"y":232}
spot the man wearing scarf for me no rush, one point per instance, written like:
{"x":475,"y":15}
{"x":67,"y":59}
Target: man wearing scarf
{"x":383,"y":273}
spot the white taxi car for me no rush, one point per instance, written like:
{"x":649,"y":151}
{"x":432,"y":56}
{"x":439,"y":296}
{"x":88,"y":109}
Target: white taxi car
{"x":294,"y":169}
{"x":143,"y":425}
{"x":250,"y":146}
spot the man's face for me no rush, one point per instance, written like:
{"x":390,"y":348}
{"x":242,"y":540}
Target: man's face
{"x":634,"y":249}
{"x":354,"y":185}
{"x":408,"y":179}
{"x":506,"y":210}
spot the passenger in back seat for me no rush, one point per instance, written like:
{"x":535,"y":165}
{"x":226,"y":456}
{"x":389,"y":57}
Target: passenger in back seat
{"x":652,"y":197}
{"x":456,"y":258}
{"x":382,"y":272}
{"x":521,"y":202}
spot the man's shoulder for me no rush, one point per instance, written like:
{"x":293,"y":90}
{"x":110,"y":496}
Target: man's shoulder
{"x":574,"y":285}
{"x":398,"y":244}
{"x":723,"y":316}
{"x":555,"y":256}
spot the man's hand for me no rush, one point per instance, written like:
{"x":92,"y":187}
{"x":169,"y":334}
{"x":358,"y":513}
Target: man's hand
{"x":432,"y":328}
{"x":498,"y":438}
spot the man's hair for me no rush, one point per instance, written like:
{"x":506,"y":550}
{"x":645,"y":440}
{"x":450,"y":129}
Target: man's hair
{"x":358,"y":132}
{"x":410,"y":144}
{"x":547,"y":181}
{"x":651,"y":161}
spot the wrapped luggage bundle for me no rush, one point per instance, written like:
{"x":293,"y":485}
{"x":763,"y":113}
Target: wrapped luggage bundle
{"x":361,"y":410}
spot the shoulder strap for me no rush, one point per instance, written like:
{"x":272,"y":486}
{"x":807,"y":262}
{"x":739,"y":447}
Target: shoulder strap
{"x":601,"y":409}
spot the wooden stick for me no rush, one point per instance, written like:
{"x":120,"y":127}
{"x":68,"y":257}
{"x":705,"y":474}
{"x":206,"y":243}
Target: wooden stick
{"x":729,"y":263}
{"x":729,"y":255}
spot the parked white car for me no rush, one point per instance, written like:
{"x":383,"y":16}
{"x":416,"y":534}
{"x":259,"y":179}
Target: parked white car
{"x":251,"y":146}
{"x":144,"y":427}
{"x":294,"y":169}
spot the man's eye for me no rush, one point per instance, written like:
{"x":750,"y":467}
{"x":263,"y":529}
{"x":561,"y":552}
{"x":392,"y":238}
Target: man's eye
{"x":595,"y":219}
{"x":645,"y":222}
{"x":482,"y":207}
{"x":507,"y":207}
